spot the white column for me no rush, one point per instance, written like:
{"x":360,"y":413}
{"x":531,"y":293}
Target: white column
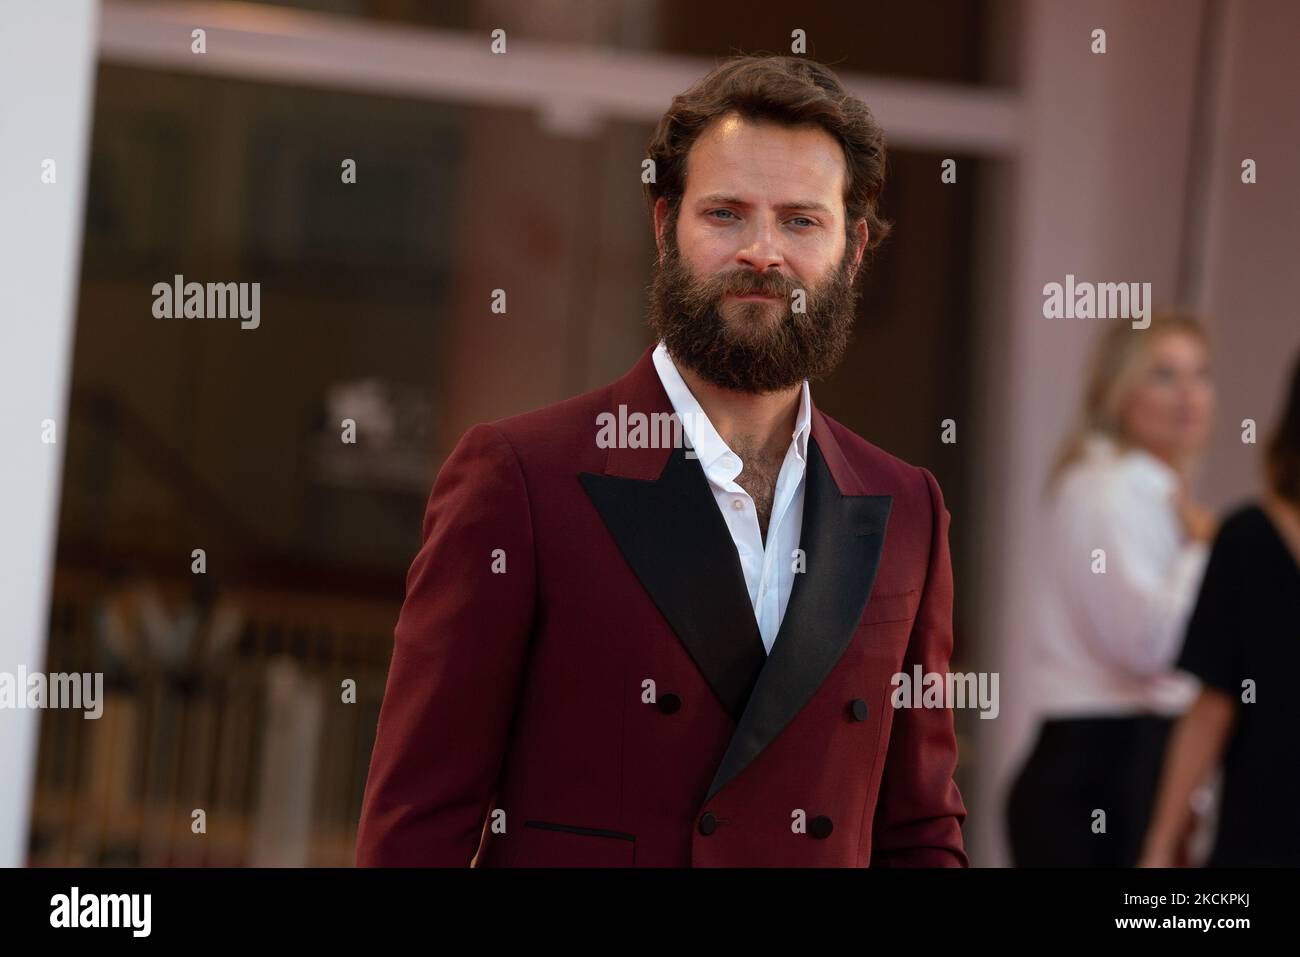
{"x":47,"y":60}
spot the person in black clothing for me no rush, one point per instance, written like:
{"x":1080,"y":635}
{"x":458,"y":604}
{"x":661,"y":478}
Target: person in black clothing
{"x":1243,"y":642}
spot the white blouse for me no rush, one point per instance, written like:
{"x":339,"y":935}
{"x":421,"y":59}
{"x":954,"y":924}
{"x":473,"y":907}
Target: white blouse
{"x":1106,"y":640}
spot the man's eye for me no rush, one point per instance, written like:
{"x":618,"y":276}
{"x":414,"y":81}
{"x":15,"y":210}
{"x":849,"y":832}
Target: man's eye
{"x":803,"y":222}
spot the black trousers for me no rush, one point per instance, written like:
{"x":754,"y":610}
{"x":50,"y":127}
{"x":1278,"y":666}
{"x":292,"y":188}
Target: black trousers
{"x":1077,"y":767}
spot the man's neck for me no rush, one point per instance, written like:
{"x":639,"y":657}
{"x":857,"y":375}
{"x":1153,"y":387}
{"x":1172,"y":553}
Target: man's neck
{"x":746,"y":419}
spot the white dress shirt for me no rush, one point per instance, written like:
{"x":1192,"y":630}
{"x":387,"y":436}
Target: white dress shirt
{"x":768,"y":567}
{"x":1106,"y":642}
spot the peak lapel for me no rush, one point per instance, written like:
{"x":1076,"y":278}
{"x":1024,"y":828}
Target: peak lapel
{"x":657,"y":505}
{"x":842,"y":537}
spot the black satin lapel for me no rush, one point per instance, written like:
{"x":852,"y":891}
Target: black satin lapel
{"x":676,"y":541}
{"x":842,"y":537}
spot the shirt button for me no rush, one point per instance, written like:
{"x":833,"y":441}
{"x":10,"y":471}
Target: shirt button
{"x":708,"y":823}
{"x":821,"y":827}
{"x":737,"y":504}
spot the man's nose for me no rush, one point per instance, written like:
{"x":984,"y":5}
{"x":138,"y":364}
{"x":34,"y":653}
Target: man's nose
{"x":761,"y":251}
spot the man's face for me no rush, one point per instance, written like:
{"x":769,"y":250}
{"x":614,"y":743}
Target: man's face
{"x":762,"y":218}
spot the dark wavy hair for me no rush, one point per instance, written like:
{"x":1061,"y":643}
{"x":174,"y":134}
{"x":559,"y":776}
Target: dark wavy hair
{"x":781,"y":89}
{"x":1282,"y":456}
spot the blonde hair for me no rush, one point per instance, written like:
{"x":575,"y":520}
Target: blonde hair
{"x":1116,"y":363}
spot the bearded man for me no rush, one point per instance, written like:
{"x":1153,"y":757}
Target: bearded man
{"x":672,"y":655}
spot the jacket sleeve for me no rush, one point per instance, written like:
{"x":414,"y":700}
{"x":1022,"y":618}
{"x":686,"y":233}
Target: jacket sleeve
{"x":458,"y":654}
{"x":919,"y":811}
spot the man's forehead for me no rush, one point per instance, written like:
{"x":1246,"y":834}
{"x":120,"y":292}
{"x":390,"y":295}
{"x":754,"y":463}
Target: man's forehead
{"x":738,"y":159}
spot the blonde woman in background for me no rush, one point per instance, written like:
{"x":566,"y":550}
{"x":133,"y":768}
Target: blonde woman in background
{"x":1124,"y":548}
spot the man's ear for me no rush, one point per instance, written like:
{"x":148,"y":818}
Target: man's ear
{"x":860,"y":235}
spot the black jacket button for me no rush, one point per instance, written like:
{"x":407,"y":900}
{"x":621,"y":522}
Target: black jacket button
{"x":708,"y":823}
{"x":670,"y":703}
{"x":859,"y":708}
{"x":821,"y":826}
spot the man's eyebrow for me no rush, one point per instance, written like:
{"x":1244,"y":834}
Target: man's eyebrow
{"x":722,"y":199}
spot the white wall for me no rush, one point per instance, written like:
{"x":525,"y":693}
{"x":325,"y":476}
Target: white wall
{"x":1097,"y":192}
{"x":47,"y":58}
{"x":1248,"y":268}
{"x":1125,"y":175}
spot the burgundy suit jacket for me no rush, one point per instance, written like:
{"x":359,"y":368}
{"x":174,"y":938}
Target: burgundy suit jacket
{"x":578,"y":677}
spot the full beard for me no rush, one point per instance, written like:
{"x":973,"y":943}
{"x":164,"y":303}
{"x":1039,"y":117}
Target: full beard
{"x":758,"y":347}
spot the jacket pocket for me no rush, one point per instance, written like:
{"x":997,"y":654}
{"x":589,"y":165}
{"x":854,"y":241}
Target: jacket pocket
{"x":549,"y":844}
{"x":900,"y":606}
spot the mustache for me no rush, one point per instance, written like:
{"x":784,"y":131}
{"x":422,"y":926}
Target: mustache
{"x":742,"y":283}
